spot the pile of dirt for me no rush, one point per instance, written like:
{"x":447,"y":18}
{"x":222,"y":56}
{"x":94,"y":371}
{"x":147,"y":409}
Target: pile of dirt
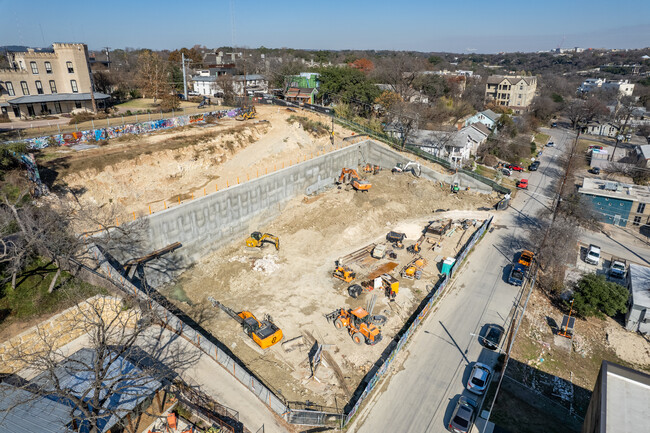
{"x":296,"y":286}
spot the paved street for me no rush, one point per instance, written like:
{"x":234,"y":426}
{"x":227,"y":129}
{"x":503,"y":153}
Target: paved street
{"x":422,"y":394}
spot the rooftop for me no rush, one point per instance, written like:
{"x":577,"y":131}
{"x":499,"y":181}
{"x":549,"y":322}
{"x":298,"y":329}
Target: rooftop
{"x":626,"y":395}
{"x":22,"y":411}
{"x":512,"y":79}
{"x":56,"y":97}
{"x":618,"y":190}
{"x":640,"y":284}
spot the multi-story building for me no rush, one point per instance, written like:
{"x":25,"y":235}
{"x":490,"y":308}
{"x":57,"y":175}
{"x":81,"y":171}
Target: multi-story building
{"x":48,"y":81}
{"x":617,"y":203}
{"x":516,"y":92}
{"x":623,"y":87}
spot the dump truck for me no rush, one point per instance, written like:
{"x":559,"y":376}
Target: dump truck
{"x":526,"y":258}
{"x":264,"y":332}
{"x":617,"y":267}
{"x":396,"y":239}
{"x":358,"y":323}
{"x":258,"y":239}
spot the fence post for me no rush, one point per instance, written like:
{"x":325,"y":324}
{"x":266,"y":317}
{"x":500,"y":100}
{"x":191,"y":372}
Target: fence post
{"x":59,"y":127}
{"x":161,"y":114}
{"x":92,"y":121}
{"x":122,"y":119}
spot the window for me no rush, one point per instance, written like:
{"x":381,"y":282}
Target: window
{"x":77,"y":104}
{"x":44,"y":109}
{"x":16,"y":111}
{"x":48,"y":67}
{"x":52,"y":86}
{"x":30,"y":110}
{"x":23,"y":85}
{"x":637,"y":220}
{"x":70,"y":68}
{"x":10,"y":88}
{"x":641,"y":208}
{"x":57,"y":107}
{"x":73,"y":83}
{"x":39,"y":87}
{"x":34,"y":68}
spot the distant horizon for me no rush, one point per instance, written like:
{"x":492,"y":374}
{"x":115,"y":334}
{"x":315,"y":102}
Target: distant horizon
{"x":414,"y":25}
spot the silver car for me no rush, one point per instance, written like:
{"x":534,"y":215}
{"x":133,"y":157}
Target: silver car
{"x":479,"y":379}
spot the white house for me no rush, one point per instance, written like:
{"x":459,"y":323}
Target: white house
{"x":454,"y":146}
{"x":206,"y":85}
{"x":606,"y":129}
{"x":254,"y":83}
{"x":623,"y":87}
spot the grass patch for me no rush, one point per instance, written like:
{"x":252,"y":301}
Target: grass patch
{"x":313,"y":127}
{"x":31,"y":299}
{"x":541,"y":139}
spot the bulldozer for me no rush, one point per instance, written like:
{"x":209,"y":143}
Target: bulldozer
{"x":358,"y":323}
{"x":264,"y":333}
{"x":350,"y":175}
{"x":257,"y":239}
{"x":344,"y":273}
{"x":369,"y":168}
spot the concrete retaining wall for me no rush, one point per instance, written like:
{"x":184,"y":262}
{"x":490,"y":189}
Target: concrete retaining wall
{"x":210,"y":222}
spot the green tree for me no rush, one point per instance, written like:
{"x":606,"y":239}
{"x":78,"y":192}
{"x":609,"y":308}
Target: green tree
{"x":349,"y":85}
{"x":595,"y":296}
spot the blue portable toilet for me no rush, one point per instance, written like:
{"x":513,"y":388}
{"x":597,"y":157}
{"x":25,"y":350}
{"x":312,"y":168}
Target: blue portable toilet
{"x":447,"y":264}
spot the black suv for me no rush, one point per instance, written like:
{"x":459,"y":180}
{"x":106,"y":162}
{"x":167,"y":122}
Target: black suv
{"x":493,"y":335}
{"x":533,"y":166}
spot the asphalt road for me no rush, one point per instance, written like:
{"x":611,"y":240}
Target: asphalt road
{"x":422,"y":393}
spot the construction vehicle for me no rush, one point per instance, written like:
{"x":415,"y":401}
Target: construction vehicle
{"x":412,"y":166}
{"x":413,"y":270}
{"x":455,"y":188}
{"x":264,"y":333}
{"x":350,"y":175}
{"x":358,"y":323}
{"x":137,"y":265}
{"x":417,"y":246}
{"x":385,"y":282}
{"x":257,"y":240}
{"x":379,"y":252}
{"x":396,"y":238}
{"x":344,"y":273}
{"x":246,"y":113}
{"x":369,"y":168}
{"x":526,"y":258}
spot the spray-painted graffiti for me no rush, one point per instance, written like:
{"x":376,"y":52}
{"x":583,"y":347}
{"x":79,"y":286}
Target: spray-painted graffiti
{"x":33,"y":175}
{"x":76,"y":137}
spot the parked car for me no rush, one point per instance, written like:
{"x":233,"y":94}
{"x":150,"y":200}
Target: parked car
{"x":533,"y":166}
{"x":539,"y":153}
{"x":550,"y":144}
{"x":493,"y":335}
{"x":554,"y":125}
{"x":479,"y":379}
{"x":462,"y":418}
{"x":517,"y":274}
{"x":595,"y":170}
{"x":506,"y":171}
{"x":514,"y":167}
{"x":522,"y":183}
{"x":593,"y":255}
{"x":617,"y":267}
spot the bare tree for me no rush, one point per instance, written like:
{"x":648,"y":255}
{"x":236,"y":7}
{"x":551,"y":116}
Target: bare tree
{"x":399,"y":72}
{"x":125,"y":360}
{"x":153,"y":75}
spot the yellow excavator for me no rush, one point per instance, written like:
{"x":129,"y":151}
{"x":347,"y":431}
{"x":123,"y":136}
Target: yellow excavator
{"x":264,"y":333}
{"x":257,"y":239}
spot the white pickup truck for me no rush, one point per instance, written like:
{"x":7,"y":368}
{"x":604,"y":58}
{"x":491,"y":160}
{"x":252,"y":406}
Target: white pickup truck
{"x":593,"y":255}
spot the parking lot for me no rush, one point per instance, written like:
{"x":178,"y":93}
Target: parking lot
{"x":582,"y":267}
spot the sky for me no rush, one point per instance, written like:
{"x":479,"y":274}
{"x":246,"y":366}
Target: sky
{"x":419,"y":25}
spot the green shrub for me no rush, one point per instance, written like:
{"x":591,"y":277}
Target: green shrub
{"x":595,"y":296}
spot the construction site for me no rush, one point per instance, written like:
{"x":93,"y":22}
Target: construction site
{"x":305,"y":273}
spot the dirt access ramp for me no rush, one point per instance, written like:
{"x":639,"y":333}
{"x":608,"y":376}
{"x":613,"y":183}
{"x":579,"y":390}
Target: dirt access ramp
{"x":296,"y":288}
{"x":139,"y":173}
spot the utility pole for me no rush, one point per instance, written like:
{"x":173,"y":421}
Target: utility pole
{"x":184,"y":79}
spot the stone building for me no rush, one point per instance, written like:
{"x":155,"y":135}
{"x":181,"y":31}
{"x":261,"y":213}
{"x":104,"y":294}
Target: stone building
{"x":516,"y":92}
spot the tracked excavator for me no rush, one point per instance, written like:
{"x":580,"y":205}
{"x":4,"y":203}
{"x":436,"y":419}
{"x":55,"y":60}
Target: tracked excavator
{"x":257,"y":239}
{"x":264,"y":333}
{"x":350,"y":175}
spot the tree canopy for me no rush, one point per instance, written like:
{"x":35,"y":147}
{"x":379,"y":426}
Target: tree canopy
{"x":349,"y":85}
{"x":595,"y":296}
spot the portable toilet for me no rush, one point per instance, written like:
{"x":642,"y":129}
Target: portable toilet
{"x":447,"y":264}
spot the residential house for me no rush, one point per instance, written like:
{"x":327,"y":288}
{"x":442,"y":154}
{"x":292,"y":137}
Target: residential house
{"x":623,"y":87}
{"x":36,"y":409}
{"x":301,"y":94}
{"x":617,"y":203}
{"x":637,"y":318}
{"x":619,"y":402}
{"x":642,"y":155}
{"x":516,"y":92}
{"x":487,"y":117}
{"x":206,"y":85}
{"x":606,"y":129}
{"x":302,"y":87}
{"x":252,"y":83}
{"x":454,"y":146}
{"x":47,"y":81}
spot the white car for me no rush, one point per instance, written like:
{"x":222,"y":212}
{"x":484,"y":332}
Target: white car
{"x":593,"y":255}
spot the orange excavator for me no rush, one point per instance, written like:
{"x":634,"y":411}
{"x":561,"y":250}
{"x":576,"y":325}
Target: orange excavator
{"x":350,"y":175}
